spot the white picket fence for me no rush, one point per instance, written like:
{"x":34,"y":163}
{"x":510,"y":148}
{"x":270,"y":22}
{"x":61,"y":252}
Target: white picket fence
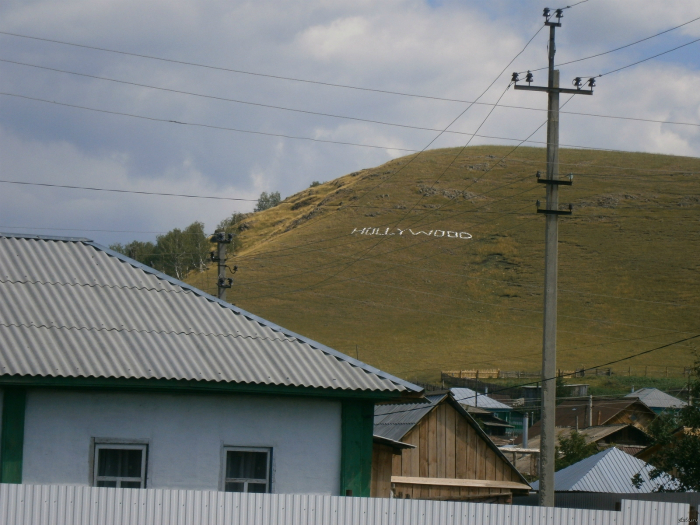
{"x":72,"y":505}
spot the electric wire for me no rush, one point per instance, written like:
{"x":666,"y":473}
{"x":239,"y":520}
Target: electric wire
{"x":125,"y":191}
{"x":329,"y":115}
{"x":542,"y":380}
{"x":207,"y":126}
{"x":619,"y":48}
{"x":342,"y":85}
{"x":646,"y":59}
{"x":430,"y":143}
{"x":231,"y":70}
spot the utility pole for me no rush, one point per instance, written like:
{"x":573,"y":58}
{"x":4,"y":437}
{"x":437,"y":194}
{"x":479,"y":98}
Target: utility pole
{"x":223,"y":283}
{"x":549,"y":341}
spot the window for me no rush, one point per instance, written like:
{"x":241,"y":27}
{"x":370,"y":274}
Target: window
{"x":120,"y":466}
{"x":247,"y":469}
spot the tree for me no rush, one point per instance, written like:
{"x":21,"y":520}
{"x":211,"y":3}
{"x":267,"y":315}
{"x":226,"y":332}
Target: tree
{"x":573,"y":449}
{"x":266,"y":201}
{"x":676,"y":446}
{"x":175,"y":253}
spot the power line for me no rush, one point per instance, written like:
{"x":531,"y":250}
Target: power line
{"x":231,"y":70}
{"x":647,"y":59}
{"x":461,"y":101}
{"x":317,"y":113}
{"x":208,"y":126}
{"x":621,"y":47}
{"x":428,"y":145}
{"x":124,"y":191}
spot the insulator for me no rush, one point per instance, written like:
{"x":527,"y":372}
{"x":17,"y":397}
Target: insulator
{"x":538,"y":205}
{"x":538,"y":174}
{"x":515,"y":77}
{"x":546,"y":12}
{"x":571,"y":176}
{"x":577,"y":82}
{"x":591,"y":82}
{"x":571,"y":207}
{"x":529,"y":77}
{"x":559,"y":13}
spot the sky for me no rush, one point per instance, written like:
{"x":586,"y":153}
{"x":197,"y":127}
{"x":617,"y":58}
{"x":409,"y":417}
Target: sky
{"x":441,"y":49}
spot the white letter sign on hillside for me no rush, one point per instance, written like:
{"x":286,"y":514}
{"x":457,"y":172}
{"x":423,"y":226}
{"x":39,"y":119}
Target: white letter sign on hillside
{"x":409,"y":232}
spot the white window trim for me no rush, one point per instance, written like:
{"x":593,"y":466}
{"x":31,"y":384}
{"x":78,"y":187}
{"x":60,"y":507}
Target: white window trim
{"x":120,"y":446}
{"x":245,"y":481}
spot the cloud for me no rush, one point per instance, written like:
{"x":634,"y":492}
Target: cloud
{"x":449,"y":49}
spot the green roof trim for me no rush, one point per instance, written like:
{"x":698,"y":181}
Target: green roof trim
{"x":187,"y":386}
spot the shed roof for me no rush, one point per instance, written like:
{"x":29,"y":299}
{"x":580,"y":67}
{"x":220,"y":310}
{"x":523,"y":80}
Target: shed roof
{"x":608,"y":471}
{"x":568,"y":410}
{"x":394,"y":421}
{"x":655,"y":398}
{"x":467,"y":396}
{"x":72,"y":308}
{"x":591,"y":434}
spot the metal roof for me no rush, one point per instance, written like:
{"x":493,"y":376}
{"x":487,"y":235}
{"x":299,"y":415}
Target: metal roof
{"x":72,"y":308}
{"x":655,"y":398}
{"x":467,"y":396}
{"x":396,"y":420}
{"x":591,"y":434}
{"x":608,"y":471}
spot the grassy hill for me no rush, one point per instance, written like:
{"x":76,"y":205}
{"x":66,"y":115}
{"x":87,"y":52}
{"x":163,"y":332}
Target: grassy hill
{"x":415,"y":304}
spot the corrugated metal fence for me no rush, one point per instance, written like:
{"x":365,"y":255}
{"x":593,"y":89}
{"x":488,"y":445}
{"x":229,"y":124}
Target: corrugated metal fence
{"x":70,"y":505}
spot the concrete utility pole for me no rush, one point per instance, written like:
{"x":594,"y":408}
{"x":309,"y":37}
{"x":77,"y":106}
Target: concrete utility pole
{"x":223,"y":283}
{"x":549,"y":342}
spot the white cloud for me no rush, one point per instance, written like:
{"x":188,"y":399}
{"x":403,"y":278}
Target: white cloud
{"x":454,"y":50}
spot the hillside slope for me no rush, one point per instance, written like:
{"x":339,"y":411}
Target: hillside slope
{"x":413,"y":294}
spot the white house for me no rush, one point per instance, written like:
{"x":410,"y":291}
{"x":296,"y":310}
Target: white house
{"x":116,"y":375}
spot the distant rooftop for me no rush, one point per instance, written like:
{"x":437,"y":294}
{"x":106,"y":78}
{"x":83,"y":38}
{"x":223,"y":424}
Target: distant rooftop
{"x":609,"y":471}
{"x":655,"y":398}
{"x":467,"y":396}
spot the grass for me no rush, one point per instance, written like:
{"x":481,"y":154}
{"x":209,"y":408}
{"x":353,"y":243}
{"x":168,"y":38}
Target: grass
{"x":416,"y":305}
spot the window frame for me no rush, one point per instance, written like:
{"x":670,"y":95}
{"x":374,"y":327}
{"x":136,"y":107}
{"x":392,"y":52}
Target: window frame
{"x":268,"y":470}
{"x":111,"y":445}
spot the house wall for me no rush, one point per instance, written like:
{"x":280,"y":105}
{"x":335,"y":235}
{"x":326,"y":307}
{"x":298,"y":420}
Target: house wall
{"x":447,"y":446}
{"x":381,"y":470}
{"x":185,"y":435}
{"x":634,"y":416}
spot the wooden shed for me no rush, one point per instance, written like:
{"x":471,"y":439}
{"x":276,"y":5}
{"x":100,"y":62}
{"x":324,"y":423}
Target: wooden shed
{"x":452,"y":458}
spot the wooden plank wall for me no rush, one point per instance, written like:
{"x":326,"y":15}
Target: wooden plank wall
{"x":380,"y":486}
{"x":447,"y":446}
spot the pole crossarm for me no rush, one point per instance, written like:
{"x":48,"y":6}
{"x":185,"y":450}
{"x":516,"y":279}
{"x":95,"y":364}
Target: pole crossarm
{"x":555,"y":90}
{"x":555,"y":181}
{"x":555,"y":212}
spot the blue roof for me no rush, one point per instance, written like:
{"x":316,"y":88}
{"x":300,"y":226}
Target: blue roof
{"x":608,"y":471}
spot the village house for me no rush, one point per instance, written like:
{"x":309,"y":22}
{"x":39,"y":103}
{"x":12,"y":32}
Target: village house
{"x":116,"y":375}
{"x":451,"y":457}
{"x":657,"y":400}
{"x":582,"y":413}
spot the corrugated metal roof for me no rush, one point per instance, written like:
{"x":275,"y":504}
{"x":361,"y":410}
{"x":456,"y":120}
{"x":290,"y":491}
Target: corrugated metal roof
{"x":655,"y":398}
{"x":72,"y":308}
{"x":467,"y":396}
{"x":608,"y":471}
{"x":396,"y":420}
{"x":591,"y":434}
